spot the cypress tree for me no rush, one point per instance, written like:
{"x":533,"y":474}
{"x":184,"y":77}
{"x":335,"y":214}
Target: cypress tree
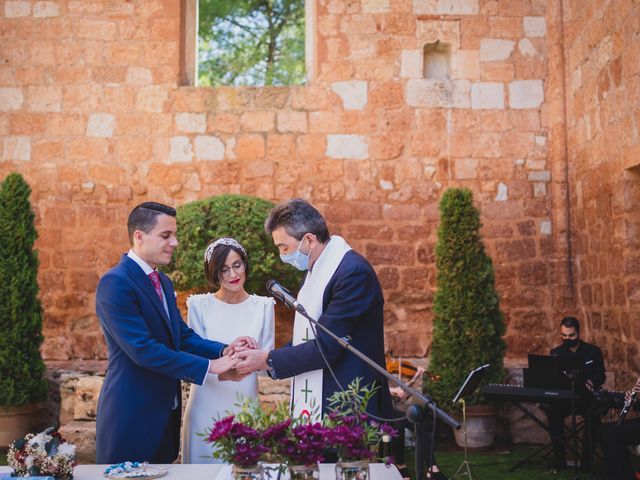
{"x":468,"y":325}
{"x":21,"y":366}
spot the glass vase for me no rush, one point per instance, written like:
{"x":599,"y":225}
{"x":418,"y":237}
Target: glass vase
{"x":239,"y":472}
{"x":304,"y":472}
{"x":352,"y":470}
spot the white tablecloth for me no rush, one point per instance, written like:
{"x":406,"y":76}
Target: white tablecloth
{"x":221,"y":472}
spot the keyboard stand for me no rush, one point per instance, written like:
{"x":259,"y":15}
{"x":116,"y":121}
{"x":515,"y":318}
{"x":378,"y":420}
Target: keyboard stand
{"x":543,"y":450}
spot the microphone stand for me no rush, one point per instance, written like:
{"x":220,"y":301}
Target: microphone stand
{"x":415,"y":413}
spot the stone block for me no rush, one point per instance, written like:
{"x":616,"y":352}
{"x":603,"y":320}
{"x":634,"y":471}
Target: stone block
{"x":290,"y":121}
{"x":258,"y":121}
{"x":495,"y":49}
{"x":503,"y":193}
{"x":17,"y":9}
{"x":526,"y":94}
{"x":151,"y":99}
{"x":539,"y":176}
{"x":87,"y":391}
{"x":46,"y":9}
{"x":466,"y":168}
{"x":375,"y":6}
{"x":534,"y":26}
{"x":545,"y":227}
{"x":466,"y":64}
{"x":411,"y":64}
{"x":527,"y":48}
{"x":11,"y":99}
{"x":83,"y":436}
{"x":461,"y":94}
{"x":209,"y":147}
{"x":191,"y":122}
{"x":16,"y":149}
{"x":446,"y":7}
{"x":347,"y":146}
{"x":429,"y":93}
{"x":44,"y":99}
{"x":487,"y":95}
{"x":100,"y":125}
{"x":352,"y":93}
{"x":180,"y":150}
{"x":139,"y":75}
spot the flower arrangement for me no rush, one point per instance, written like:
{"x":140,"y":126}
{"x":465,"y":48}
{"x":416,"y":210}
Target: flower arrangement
{"x":255,"y":434}
{"x":351,"y":432}
{"x":44,"y":454}
{"x":237,"y":443}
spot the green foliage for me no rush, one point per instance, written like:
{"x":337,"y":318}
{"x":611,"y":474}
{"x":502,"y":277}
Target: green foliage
{"x":468,"y":325}
{"x":21,"y":366}
{"x":251,"y":42}
{"x":238,"y":216}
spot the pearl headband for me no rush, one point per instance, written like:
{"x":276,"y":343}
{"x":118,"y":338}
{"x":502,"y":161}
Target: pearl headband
{"x":231,"y":242}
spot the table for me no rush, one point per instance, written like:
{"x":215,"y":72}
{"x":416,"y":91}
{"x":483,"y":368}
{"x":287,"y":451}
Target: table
{"x":222,"y":472}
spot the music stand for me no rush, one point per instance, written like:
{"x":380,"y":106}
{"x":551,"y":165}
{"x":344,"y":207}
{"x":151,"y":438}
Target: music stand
{"x":467,"y":388}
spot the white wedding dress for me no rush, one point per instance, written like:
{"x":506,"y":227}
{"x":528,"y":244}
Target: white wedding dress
{"x":213,"y":319}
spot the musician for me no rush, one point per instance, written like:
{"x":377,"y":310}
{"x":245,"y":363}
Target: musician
{"x":614,"y":440}
{"x":591,"y":379}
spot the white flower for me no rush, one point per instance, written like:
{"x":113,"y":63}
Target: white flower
{"x":67,"y":450}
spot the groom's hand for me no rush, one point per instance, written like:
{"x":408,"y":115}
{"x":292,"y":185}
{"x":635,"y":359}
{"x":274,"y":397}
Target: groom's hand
{"x":251,"y":360}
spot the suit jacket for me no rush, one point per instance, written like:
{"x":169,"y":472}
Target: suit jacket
{"x":149,"y":354}
{"x":591,"y":357}
{"x":352,"y":305}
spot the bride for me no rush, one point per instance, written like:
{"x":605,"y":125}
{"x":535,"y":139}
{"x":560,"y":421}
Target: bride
{"x":223,"y":315}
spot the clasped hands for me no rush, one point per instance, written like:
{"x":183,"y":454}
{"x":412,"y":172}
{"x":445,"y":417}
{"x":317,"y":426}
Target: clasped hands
{"x":240,"y":358}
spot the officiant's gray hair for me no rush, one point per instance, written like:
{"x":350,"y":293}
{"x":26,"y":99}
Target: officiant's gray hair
{"x":297,"y":217}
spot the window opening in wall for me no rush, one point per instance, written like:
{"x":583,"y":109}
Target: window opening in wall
{"x":251,"y":42}
{"x":437,"y":61}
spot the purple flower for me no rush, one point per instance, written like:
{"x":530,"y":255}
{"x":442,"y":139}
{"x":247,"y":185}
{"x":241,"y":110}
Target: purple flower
{"x":220,"y":429}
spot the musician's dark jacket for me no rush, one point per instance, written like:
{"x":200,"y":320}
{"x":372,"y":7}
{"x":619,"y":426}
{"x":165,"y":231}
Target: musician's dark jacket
{"x":352,"y":305}
{"x":591,"y":357}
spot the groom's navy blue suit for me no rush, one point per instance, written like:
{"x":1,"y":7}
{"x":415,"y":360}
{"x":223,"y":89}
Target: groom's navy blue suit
{"x":139,"y":407}
{"x":352,"y":304}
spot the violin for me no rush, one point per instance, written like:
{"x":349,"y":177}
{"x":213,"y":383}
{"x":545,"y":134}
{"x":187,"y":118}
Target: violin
{"x":400,"y":367}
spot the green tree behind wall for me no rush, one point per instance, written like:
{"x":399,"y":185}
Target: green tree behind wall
{"x":251,"y":42}
{"x":468,"y":325}
{"x":21,"y":366}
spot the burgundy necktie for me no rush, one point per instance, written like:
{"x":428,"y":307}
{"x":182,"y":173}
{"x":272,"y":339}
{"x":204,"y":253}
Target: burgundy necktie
{"x":155,"y":279}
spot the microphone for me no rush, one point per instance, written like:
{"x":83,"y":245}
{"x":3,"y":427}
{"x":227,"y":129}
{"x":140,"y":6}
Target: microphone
{"x":627,"y":406}
{"x":284,"y":295}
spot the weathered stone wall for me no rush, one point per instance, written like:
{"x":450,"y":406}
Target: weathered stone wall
{"x":603,"y":94}
{"x":92,"y":113}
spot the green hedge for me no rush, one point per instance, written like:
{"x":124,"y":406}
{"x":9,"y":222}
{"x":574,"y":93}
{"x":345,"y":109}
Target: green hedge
{"x":238,"y":216}
{"x":21,"y":366}
{"x":468,"y":325}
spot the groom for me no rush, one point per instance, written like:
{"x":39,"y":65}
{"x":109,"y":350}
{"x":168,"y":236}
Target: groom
{"x":341,"y":291}
{"x":150,"y":348}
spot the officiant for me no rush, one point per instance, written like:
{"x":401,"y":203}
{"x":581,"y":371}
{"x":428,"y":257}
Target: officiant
{"x":340,"y":290}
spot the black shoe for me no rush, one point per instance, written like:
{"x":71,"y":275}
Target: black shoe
{"x":436,"y":475}
{"x":404,"y":472}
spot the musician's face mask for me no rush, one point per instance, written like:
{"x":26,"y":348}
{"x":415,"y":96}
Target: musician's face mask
{"x":297,"y":258}
{"x":570,"y":342}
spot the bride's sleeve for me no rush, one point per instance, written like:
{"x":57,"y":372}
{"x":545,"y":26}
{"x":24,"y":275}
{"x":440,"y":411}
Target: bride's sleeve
{"x":194,"y":317}
{"x":267,"y":336}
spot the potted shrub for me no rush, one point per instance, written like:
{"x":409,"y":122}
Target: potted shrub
{"x":22,"y":382}
{"x":468,"y":325}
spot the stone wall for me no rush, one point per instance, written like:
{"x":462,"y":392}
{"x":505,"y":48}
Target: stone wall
{"x":92,"y":113}
{"x":603,"y":94}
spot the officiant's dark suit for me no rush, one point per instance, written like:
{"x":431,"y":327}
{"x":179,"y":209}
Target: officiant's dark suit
{"x":352,"y":305}
{"x":150,"y":351}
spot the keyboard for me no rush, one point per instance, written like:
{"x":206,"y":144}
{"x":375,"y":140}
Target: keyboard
{"x":522,"y":394}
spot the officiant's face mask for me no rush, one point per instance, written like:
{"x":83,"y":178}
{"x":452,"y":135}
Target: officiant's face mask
{"x":297,"y":258}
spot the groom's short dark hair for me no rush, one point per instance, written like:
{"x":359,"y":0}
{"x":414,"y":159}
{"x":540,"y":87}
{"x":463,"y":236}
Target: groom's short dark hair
{"x":297,"y":217}
{"x":145,"y":216}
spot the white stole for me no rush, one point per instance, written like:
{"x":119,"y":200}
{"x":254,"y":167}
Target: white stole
{"x":306,"y":388}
